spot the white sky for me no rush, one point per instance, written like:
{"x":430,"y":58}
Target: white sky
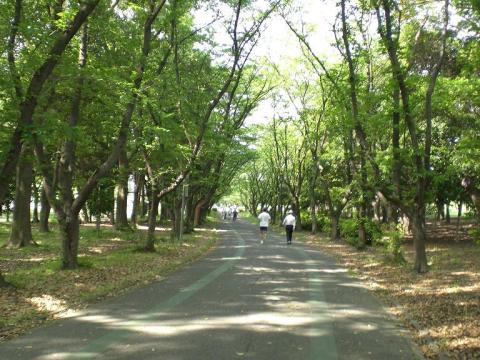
{"x":280,"y":46}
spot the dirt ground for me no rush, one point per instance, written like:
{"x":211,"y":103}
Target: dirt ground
{"x":441,"y":307}
{"x":111,"y":263}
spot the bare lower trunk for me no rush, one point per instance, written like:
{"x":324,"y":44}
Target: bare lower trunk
{"x":144,"y":202}
{"x":86,"y":216}
{"x":139,"y":181}
{"x":7,"y":212}
{"x":188,"y":223}
{"x":297,"y":211}
{"x":362,"y":233}
{"x":313,"y":214}
{"x":406,"y":224}
{"x":459,"y":216}
{"x":121,"y":220}
{"x":111,"y":217}
{"x":35,"y":218}
{"x":152,"y":222}
{"x":69,"y":232}
{"x":177,"y":213}
{"x":198,"y":211}
{"x":21,"y":234}
{"x":335,"y":227}
{"x":44,"y":212}
{"x":472,"y":190}
{"x":419,"y":240}
{"x":3,"y":282}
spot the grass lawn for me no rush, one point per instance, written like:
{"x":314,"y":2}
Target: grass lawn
{"x":110,"y":263}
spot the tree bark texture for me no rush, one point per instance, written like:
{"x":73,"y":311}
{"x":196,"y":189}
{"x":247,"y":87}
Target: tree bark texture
{"x":313,"y":202}
{"x":419,"y":240}
{"x":361,"y":209}
{"x":69,"y":233}
{"x":139,"y":183}
{"x":152,"y":221}
{"x":21,"y":233}
{"x":35,"y":218}
{"x":335,"y":226}
{"x":422,"y":163}
{"x":198,"y":211}
{"x":44,"y":212}
{"x":3,"y":282}
{"x":121,"y":220}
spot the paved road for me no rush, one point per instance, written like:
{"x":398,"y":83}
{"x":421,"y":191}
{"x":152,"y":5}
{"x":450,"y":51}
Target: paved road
{"x":244,"y":300}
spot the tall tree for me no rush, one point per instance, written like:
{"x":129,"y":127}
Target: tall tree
{"x":28,"y":99}
{"x":416,"y":212}
{"x":68,"y":207}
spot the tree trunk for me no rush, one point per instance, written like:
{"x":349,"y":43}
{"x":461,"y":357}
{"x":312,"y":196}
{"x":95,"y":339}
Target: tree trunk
{"x":3,"y":282}
{"x":313,"y":208}
{"x":35,"y":218}
{"x":152,"y":221}
{"x":44,"y":212}
{"x":69,"y":233}
{"x":297,"y":212}
{"x":21,"y":233}
{"x":198,"y":211}
{"x":85,"y":214}
{"x":471,"y":188}
{"x":459,"y":215}
{"x":447,"y":212}
{"x":7,"y":211}
{"x":419,"y":240}
{"x":335,"y":226}
{"x":188,"y":221}
{"x":29,"y":102}
{"x":352,"y":79}
{"x":139,"y":183}
{"x":144,"y":202}
{"x":176,"y":212}
{"x":121,"y":220}
{"x":362,"y":232}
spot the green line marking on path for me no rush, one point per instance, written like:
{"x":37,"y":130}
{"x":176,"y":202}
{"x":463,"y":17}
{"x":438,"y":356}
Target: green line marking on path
{"x":322,"y":337}
{"x":95,"y":347}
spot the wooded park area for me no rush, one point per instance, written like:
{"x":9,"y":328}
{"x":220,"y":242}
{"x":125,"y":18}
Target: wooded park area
{"x":132,"y":114}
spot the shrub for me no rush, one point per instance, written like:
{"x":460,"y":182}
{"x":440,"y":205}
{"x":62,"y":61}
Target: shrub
{"x":392,"y":241}
{"x":349,"y":231}
{"x":374,"y":231}
{"x":323,"y":222}
{"x":475,"y":234}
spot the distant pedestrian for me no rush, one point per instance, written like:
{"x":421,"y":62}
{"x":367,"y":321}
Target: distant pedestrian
{"x":234,"y":213}
{"x":264,"y":218}
{"x":289,"y":222}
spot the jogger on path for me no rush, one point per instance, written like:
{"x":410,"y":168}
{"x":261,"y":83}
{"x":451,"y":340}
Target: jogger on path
{"x":264,"y":218}
{"x":289,"y":223}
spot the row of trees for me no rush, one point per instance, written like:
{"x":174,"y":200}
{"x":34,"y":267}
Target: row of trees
{"x":388,"y":131}
{"x":95,"y":93}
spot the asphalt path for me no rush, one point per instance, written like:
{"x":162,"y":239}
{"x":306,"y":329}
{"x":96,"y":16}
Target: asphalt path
{"x":243,"y":300}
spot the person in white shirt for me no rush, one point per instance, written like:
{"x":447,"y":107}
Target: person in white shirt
{"x":264,"y":218}
{"x":289,"y":223}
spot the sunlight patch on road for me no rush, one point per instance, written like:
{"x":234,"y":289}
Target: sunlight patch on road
{"x":52,"y":305}
{"x":261,"y":322}
{"x":213,"y":230}
{"x":62,"y":355}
